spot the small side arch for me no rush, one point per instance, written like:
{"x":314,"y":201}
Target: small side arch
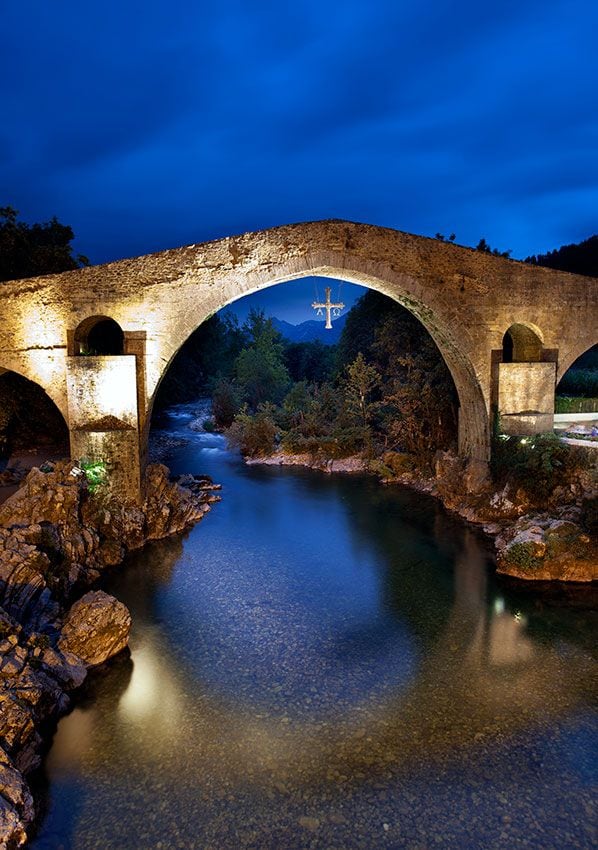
{"x":29,"y":418}
{"x":98,"y":335}
{"x":580,"y":381}
{"x":522,"y":343}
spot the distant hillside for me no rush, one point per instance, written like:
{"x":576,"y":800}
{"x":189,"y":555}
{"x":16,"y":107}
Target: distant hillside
{"x":311,"y":330}
{"x":579,"y":259}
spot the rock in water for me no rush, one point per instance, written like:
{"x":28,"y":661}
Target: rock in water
{"x":96,"y":628}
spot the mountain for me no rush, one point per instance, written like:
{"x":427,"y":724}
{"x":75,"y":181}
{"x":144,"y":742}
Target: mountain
{"x":311,"y":330}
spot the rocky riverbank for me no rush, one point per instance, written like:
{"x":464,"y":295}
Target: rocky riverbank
{"x":355,"y":463}
{"x":56,"y":539}
{"x":558,"y":542}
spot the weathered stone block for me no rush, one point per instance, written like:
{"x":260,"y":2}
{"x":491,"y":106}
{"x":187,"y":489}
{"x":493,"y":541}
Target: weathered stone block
{"x":102,"y":391}
{"x":526,"y":397}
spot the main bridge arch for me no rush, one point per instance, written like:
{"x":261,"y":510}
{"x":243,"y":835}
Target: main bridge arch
{"x":473,"y":435}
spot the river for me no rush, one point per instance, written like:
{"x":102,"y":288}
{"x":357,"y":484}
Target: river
{"x":325,"y":662}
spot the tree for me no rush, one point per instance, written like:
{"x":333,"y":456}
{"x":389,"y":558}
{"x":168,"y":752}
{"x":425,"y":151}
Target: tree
{"x":226,"y":401}
{"x":37,"y":249}
{"x":254,"y":435}
{"x":486,"y":249}
{"x":361,"y":382}
{"x":580,"y":258}
{"x":260,"y":369}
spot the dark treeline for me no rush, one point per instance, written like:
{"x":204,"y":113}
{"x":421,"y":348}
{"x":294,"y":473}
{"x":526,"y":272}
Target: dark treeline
{"x":27,"y":250}
{"x":581,"y":258}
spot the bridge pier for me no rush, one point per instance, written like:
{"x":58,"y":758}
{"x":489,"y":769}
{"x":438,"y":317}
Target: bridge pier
{"x":526,"y":397}
{"x":103,"y":412}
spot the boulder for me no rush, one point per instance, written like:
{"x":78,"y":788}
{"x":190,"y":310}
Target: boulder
{"x":542,"y":548}
{"x":96,"y":628}
{"x":12,"y":828}
{"x":67,"y":668}
{"x":14,"y":789}
{"x":169,"y":508}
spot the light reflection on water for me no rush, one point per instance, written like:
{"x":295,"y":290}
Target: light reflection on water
{"x":325,"y":662}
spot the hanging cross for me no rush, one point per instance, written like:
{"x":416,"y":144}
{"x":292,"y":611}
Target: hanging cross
{"x":328,"y":306}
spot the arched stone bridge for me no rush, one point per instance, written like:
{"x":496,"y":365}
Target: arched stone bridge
{"x":466,"y":299}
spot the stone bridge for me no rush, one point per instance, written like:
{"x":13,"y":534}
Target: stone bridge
{"x":507,"y":331}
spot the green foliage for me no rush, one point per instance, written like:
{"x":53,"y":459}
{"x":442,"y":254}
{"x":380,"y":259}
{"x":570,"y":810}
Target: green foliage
{"x":96,"y":474}
{"x":361,"y":326}
{"x":566,"y":404}
{"x":254,"y":435}
{"x":415,"y":404}
{"x":260,"y":370}
{"x":361,"y":382}
{"x":385,"y":387}
{"x":226,"y":402}
{"x":399,"y":462}
{"x":522,"y":555}
{"x":29,"y":250}
{"x":335,"y":443}
{"x":579,"y":382}
{"x":310,"y":361}
{"x":207,"y":356}
{"x":536,"y":464}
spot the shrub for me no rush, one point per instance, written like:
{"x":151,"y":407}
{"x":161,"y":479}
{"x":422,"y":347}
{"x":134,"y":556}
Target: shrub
{"x":580,"y":382}
{"x":399,"y":462}
{"x":536,"y":464}
{"x":523,"y":556}
{"x":226,"y":402}
{"x":566,"y":404}
{"x":254,"y":435}
{"x":341,"y":442}
{"x":95,"y":472}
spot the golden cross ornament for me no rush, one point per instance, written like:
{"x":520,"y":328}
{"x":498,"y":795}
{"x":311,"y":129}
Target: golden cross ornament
{"x":329,"y":307}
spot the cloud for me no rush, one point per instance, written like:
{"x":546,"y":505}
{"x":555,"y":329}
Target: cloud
{"x":150,"y":125}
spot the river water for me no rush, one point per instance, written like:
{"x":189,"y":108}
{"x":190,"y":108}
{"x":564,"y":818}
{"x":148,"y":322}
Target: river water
{"x":325,"y":662}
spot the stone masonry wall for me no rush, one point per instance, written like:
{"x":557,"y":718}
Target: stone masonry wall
{"x":465,"y":298}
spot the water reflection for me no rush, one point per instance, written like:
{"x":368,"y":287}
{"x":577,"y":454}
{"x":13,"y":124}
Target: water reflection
{"x":327,"y":663}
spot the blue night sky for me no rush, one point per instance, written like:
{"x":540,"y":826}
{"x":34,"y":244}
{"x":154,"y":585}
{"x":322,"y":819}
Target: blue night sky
{"x":147,"y":125}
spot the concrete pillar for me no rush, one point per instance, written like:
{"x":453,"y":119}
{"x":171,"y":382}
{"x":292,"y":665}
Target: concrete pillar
{"x":103,"y":419}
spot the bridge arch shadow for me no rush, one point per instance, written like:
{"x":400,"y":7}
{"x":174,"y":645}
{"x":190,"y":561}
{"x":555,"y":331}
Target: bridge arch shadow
{"x":98,"y":335}
{"x":522,"y":343}
{"x":31,"y":424}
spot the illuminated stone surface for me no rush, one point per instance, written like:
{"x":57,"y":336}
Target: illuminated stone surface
{"x":466,"y":299}
{"x":526,"y":397}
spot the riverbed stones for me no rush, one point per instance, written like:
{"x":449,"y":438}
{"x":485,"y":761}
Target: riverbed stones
{"x":96,"y":628}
